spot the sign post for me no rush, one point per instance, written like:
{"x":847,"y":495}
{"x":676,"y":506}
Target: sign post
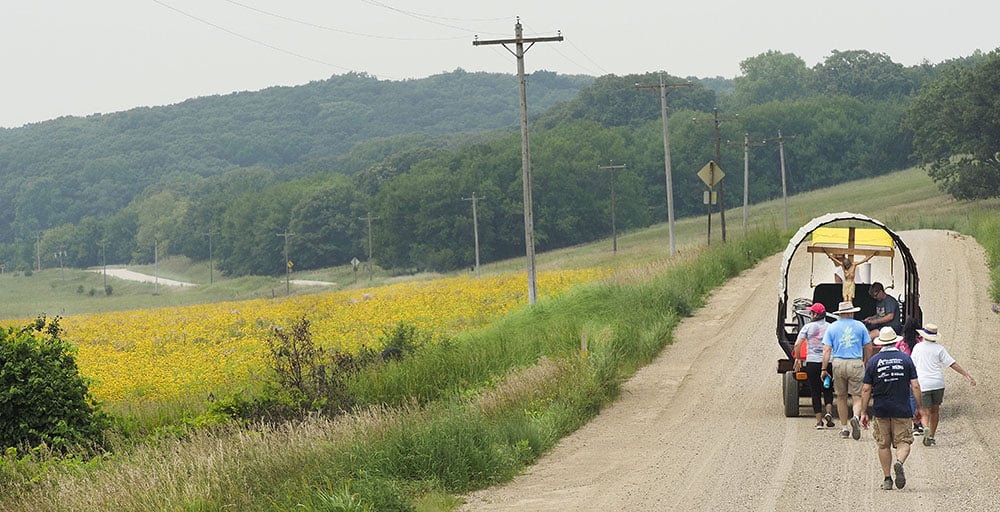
{"x":354,"y":263}
{"x":711,"y":174}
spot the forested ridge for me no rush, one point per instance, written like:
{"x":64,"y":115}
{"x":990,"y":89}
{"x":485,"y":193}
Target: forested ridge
{"x":313,"y":160}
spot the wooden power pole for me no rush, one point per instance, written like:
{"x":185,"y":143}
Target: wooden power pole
{"x":475,"y":225}
{"x":529,"y":229}
{"x":664,"y":89}
{"x":614,"y":229}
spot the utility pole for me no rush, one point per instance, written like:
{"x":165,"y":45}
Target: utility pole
{"x":529,"y":229}
{"x":288,"y":263}
{"x":614,"y":230}
{"x":664,"y":89}
{"x":38,"y":251}
{"x":210,"y":234}
{"x":369,"y":219}
{"x":784,"y":186}
{"x":104,"y":263}
{"x":475,"y":225}
{"x":156,"y":267}
{"x":746,"y":176}
{"x":716,"y":121}
{"x":61,"y":253}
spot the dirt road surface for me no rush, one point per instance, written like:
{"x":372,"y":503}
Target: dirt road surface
{"x":702,"y":427}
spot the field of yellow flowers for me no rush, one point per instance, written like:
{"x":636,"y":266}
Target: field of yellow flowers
{"x":148,"y":356}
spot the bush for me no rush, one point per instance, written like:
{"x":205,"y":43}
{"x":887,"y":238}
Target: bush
{"x":43,"y":398}
{"x":311,"y":375}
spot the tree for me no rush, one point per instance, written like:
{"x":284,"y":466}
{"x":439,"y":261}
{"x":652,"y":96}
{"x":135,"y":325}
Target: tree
{"x":326,"y":225}
{"x":862,"y":74}
{"x":43,"y":399}
{"x":956,"y":126}
{"x":771,"y":76}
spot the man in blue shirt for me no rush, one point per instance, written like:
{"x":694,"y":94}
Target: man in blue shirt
{"x":848,"y":343}
{"x":889,"y":377}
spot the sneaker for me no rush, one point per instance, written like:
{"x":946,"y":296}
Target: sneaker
{"x":819,"y":425}
{"x":900,"y":476}
{"x":829,"y":420}
{"x":928,"y":440}
{"x":845,"y":433}
{"x":856,"y":428}
{"x":933,"y":442}
{"x":887,"y":484}
{"x":918,"y":430}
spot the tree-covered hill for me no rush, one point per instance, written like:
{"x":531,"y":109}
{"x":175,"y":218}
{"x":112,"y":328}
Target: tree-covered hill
{"x":295,"y":170}
{"x":63,"y":170}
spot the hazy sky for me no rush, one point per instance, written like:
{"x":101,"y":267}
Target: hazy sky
{"x":78,"y":57}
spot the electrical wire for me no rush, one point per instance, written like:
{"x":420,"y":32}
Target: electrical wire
{"x":248,"y":38}
{"x":340,"y":30}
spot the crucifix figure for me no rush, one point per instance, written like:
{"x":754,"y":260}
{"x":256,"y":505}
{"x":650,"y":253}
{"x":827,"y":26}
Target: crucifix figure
{"x":846,"y":262}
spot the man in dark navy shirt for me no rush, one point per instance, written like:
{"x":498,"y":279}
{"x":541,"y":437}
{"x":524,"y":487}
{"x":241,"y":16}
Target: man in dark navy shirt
{"x":889,"y":378}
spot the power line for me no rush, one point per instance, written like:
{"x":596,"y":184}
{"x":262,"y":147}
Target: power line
{"x":248,"y":38}
{"x":428,"y":16}
{"x":343,"y":31}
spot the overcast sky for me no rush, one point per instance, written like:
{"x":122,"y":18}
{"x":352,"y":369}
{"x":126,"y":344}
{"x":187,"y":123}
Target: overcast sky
{"x":79,"y":57}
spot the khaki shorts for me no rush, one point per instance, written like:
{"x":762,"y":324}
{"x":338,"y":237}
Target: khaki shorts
{"x":892,"y":431}
{"x":848,"y":376}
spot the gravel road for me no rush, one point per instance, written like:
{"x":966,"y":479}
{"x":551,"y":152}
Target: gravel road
{"x":130,"y":275}
{"x":702,"y":427}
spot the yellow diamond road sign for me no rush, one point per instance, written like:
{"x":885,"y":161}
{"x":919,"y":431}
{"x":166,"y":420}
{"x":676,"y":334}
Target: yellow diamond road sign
{"x":711,"y":173}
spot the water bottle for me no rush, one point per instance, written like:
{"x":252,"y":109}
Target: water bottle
{"x":826,"y":382}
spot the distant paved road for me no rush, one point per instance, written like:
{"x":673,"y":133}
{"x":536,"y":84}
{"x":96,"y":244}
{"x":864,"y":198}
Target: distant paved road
{"x":129,"y":275}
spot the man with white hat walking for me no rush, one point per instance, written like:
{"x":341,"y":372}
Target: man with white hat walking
{"x":848,"y":344}
{"x":931,"y":359}
{"x":889,"y":377}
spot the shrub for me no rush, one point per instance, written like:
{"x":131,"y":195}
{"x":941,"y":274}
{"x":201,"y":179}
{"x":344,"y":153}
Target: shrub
{"x":309,"y":375}
{"x":43,"y":398}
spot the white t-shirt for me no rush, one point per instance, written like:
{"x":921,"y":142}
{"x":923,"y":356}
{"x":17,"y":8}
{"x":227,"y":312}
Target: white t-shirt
{"x":931,"y":359}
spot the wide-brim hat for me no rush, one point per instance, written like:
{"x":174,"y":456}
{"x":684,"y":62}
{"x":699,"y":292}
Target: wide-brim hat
{"x":929,"y":332}
{"x":886,"y":336}
{"x":846,"y":307}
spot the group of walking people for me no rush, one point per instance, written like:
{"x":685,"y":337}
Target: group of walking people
{"x":901,"y":376}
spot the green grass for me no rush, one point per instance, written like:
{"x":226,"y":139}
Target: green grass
{"x":475,"y":411}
